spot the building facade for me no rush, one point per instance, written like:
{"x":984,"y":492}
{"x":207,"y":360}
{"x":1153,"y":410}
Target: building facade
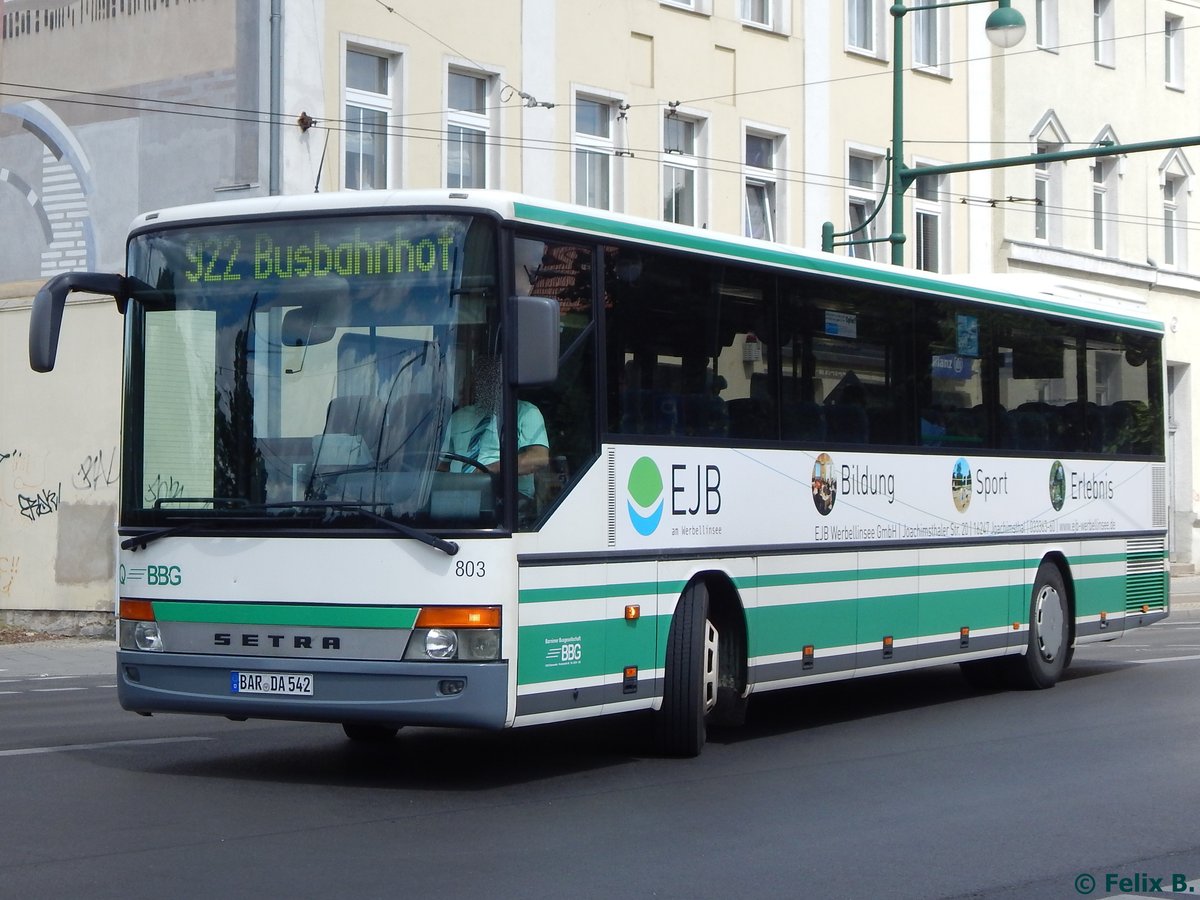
{"x":759,"y":117}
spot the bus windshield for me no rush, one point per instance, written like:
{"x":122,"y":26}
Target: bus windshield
{"x":304,"y":372}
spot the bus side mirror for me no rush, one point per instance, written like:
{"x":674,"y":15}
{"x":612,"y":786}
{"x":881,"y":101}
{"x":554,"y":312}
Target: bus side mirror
{"x":537,"y":340}
{"x":45,"y":321}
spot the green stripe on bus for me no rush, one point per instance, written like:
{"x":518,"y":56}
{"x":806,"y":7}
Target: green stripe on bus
{"x":571,"y":650}
{"x":286,"y":614}
{"x":826,"y":264}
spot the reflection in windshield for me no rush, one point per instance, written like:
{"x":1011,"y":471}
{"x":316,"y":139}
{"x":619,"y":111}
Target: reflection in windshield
{"x":312,"y":362}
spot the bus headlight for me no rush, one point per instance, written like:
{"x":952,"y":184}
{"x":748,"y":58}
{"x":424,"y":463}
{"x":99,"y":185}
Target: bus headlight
{"x":137,"y":635}
{"x":463,"y":633}
{"x":441,"y":643}
{"x":461,"y":644}
{"x":139,"y":629}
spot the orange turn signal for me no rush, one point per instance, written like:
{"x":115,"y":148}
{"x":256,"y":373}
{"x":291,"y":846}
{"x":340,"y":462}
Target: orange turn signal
{"x":139,"y":610}
{"x":633,"y":612}
{"x":459,"y":617}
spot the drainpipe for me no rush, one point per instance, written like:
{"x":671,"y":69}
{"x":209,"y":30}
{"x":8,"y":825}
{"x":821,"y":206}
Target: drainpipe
{"x":276,"y":162}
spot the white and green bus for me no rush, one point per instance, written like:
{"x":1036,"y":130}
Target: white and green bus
{"x":475,"y":459}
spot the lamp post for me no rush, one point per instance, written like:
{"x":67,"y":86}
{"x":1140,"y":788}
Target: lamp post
{"x":1005,"y":28}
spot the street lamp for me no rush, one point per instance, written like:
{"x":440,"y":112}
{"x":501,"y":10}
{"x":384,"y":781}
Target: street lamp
{"x":1005,"y":27}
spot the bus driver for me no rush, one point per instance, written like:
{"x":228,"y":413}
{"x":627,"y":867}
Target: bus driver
{"x":473,"y":431}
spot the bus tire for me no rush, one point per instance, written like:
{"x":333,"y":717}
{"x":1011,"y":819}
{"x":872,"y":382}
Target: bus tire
{"x":1049,"y":644}
{"x":369,"y":732}
{"x":689,"y":676}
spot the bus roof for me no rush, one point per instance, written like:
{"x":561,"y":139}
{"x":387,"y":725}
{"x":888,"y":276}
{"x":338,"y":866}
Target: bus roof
{"x":1050,"y":299}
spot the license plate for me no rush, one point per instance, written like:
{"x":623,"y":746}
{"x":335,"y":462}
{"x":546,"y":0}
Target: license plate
{"x":293,"y":683}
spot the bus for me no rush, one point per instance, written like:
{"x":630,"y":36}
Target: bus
{"x":468,"y":458}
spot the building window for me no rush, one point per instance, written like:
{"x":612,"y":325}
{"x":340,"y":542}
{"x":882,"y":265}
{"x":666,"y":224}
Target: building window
{"x":1104,"y":205}
{"x":1102,"y":33}
{"x":681,"y":190}
{"x":762,"y":186}
{"x":368,"y":104}
{"x":927,"y":203}
{"x":865,"y":184}
{"x":467,"y":130}
{"x":1048,"y":195}
{"x":1046,"y":24}
{"x":594,"y":152}
{"x":1174,"y":221}
{"x":1173,"y":51}
{"x":864,"y":24}
{"x":758,"y":12}
{"x":929,"y":30}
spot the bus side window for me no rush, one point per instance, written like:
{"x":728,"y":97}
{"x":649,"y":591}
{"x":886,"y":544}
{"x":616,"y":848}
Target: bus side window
{"x":568,"y":406}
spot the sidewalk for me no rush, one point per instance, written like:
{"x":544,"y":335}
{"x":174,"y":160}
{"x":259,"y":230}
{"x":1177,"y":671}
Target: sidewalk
{"x":66,"y":657}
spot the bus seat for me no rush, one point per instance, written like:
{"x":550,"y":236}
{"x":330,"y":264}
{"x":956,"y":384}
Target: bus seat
{"x":803,"y":421}
{"x":846,"y":423}
{"x":751,"y":417}
{"x":351,"y":435}
{"x":705,"y":415}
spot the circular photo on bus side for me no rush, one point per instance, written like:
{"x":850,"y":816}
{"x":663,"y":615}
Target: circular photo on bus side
{"x":1058,"y":485}
{"x":824,"y":484}
{"x":960,"y":485}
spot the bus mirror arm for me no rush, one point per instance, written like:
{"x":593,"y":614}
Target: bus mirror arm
{"x":45,"y":320}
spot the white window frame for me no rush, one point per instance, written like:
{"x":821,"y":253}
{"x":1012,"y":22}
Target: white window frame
{"x":1173,"y":47}
{"x":866,"y":37}
{"x":1103,"y":34}
{"x":935,"y":212}
{"x":483,"y":123}
{"x":371,"y":101}
{"x":704,"y":7}
{"x":863,"y":199}
{"x":1175,"y":193}
{"x":1046,"y":24}
{"x":676,"y":161}
{"x":767,"y":183}
{"x":1105,"y":179}
{"x":1175,"y":181}
{"x":777,"y":15}
{"x":606,"y":146}
{"x":930,"y":34}
{"x":1048,"y":178}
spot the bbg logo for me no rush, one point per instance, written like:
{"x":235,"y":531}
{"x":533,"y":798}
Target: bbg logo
{"x":646,"y":500}
{"x":171,"y":575}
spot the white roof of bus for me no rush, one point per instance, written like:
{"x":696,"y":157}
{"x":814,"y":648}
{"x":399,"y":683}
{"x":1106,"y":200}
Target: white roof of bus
{"x":1089,"y":300}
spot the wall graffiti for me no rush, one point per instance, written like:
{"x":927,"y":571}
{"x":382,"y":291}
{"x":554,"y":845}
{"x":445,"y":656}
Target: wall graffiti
{"x":164,"y":488}
{"x":9,"y":567}
{"x":43,"y":503}
{"x":96,"y":471}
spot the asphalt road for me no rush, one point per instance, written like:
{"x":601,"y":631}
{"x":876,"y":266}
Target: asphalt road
{"x":909,"y":786}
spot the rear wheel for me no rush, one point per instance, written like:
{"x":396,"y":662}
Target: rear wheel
{"x":690,"y":676}
{"x":369,"y":732}
{"x":1049,"y":633}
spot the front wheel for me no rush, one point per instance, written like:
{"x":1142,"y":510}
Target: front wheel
{"x":1049,"y":645}
{"x":690,"y":676}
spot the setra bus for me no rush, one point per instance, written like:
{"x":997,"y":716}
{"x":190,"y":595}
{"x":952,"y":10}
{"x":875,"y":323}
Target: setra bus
{"x":475,"y":459}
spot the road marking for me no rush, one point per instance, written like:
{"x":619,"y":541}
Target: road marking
{"x":54,"y":690}
{"x":1164,"y":659}
{"x":69,"y":748}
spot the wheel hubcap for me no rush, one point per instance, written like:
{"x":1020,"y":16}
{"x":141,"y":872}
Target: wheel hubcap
{"x":711,"y":666}
{"x":1049,"y":623}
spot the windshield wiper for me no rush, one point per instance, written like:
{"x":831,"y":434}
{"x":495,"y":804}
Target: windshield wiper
{"x":450,"y":548}
{"x":141,"y":541}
